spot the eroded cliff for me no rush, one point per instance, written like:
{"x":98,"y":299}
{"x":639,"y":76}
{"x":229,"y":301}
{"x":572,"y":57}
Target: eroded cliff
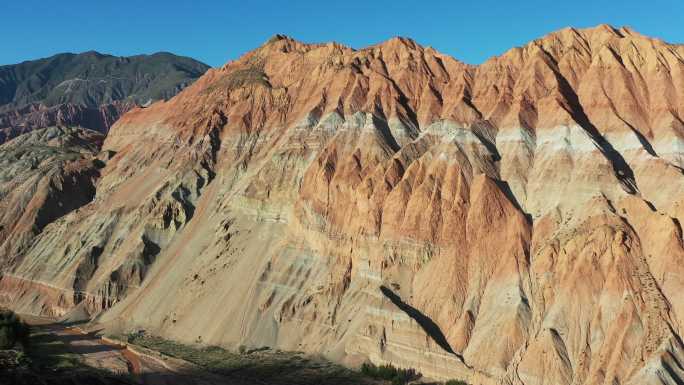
{"x":516,"y":222}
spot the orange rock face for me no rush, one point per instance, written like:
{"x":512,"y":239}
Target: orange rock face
{"x":516,"y":222}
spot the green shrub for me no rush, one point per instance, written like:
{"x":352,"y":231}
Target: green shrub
{"x":23,"y":359}
{"x":12,"y":330}
{"x":387,"y":372}
{"x":7,"y":337}
{"x":455,"y":382}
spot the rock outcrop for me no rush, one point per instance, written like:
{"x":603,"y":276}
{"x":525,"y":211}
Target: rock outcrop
{"x":517,"y":222}
{"x":44,"y":175}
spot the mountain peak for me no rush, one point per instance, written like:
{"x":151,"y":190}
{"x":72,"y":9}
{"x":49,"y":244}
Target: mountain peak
{"x":401,"y":40}
{"x":278,"y":37}
{"x":92,"y":53}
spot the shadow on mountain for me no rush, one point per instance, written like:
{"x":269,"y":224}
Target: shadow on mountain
{"x":192,"y":377}
{"x":430,"y":327}
{"x":506,"y":189}
{"x":623,"y":172}
{"x":44,"y":341}
{"x":55,"y":356}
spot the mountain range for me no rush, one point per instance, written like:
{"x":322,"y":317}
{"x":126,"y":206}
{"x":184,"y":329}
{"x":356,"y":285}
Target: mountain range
{"x":514,"y":222}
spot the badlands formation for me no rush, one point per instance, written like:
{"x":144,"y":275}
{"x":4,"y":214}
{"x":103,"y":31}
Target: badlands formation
{"x":516,"y":222}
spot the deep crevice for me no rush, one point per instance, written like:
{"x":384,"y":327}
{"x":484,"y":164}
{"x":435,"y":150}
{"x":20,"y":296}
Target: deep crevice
{"x":623,"y":172}
{"x":506,"y":189}
{"x":384,"y":129}
{"x":481,"y":134}
{"x":672,"y":371}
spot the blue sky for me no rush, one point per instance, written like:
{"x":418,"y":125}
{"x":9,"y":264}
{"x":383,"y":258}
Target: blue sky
{"x":216,"y":31}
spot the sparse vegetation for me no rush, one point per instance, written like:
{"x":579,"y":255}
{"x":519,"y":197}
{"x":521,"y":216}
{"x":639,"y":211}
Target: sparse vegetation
{"x":246,"y":76}
{"x":260,"y":365}
{"x":455,"y":382}
{"x":252,"y":74}
{"x":397,"y":376}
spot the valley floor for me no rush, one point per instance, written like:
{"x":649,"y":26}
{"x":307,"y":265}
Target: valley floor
{"x":60,"y":353}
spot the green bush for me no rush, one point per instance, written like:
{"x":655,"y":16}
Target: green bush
{"x":7,"y":338}
{"x":12,"y":330}
{"x":455,"y":382}
{"x":23,"y":359}
{"x":387,"y":372}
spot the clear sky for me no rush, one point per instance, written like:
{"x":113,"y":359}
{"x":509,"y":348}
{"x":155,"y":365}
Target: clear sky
{"x":215,"y":31}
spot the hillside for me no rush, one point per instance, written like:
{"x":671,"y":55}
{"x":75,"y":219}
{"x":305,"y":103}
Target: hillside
{"x":516,"y":222}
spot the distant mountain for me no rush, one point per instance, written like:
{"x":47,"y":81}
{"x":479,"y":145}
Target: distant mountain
{"x":88,"y":89}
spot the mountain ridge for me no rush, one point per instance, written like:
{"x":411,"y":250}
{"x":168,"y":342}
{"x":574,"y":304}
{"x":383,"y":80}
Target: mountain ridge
{"x":517,"y":222}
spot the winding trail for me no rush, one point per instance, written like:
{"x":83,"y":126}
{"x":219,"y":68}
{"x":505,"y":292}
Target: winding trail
{"x":104,"y":357}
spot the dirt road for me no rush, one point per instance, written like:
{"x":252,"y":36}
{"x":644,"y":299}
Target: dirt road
{"x":144,"y":369}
